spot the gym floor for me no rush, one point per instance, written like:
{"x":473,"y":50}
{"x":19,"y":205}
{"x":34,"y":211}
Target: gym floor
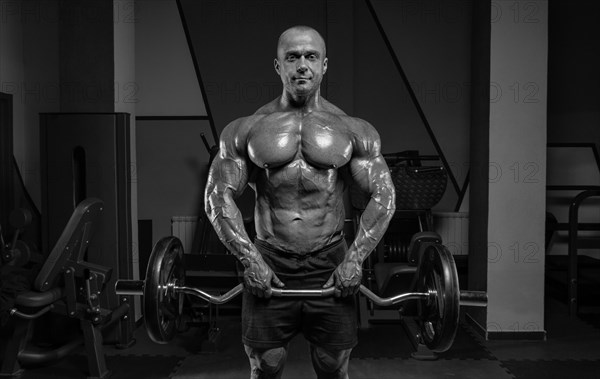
{"x":572,"y":349}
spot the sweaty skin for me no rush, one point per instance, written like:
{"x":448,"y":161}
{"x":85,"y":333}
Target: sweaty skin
{"x":299,"y":153}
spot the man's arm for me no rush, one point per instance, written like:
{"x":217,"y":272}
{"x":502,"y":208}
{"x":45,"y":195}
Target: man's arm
{"x":372,"y":176}
{"x":227,"y":179}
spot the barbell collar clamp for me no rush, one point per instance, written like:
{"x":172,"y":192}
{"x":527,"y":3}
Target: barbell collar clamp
{"x":473,"y":298}
{"x":129,"y":287}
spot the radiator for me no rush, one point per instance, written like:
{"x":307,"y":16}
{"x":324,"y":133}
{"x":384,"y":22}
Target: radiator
{"x":184,"y":228}
{"x":453,"y":227}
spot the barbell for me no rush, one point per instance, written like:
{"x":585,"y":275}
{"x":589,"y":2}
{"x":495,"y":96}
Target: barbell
{"x":437,"y":292}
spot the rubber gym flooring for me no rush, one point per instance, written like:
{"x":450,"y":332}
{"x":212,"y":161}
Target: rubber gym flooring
{"x":572,"y":349}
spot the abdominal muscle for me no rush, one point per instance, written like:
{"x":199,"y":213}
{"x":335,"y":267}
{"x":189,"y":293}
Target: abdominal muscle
{"x":299,"y":213}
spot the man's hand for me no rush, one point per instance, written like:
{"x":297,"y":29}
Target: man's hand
{"x":346,"y":277}
{"x":258,"y":277}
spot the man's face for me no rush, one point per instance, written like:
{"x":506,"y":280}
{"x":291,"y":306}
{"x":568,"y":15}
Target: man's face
{"x":301,"y":62}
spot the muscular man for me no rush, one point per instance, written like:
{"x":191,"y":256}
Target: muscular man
{"x":299,"y":153}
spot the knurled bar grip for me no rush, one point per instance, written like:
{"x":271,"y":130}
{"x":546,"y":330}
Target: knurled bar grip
{"x":136,"y":287}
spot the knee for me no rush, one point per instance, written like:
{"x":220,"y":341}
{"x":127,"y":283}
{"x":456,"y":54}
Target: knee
{"x":267,"y":361}
{"x":331,"y":361}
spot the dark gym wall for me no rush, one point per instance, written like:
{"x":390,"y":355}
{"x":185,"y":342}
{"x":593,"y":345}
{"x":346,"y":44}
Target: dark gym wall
{"x":573,"y":108}
{"x":29,"y":71}
{"x":163,"y":64}
{"x":573,"y":75}
{"x":573,"y":99}
{"x":56,"y":56}
{"x":87,"y":56}
{"x":432,"y":41}
{"x":171,"y":169}
{"x":172,"y":162}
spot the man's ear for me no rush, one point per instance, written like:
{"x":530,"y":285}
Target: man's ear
{"x":276,"y":65}
{"x":325,"y":65}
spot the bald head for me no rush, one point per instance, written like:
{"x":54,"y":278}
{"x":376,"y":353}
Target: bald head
{"x":301,"y":62}
{"x":296,"y":32}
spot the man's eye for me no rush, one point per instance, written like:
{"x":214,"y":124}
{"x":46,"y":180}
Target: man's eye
{"x":291,"y":58}
{"x":311,"y":57}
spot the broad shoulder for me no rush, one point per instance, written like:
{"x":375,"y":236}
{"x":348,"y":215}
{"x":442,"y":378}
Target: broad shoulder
{"x":235,"y":135}
{"x":364,"y":136}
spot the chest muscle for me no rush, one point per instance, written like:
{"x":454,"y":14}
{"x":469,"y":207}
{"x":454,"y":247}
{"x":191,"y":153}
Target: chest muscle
{"x":318,"y":141}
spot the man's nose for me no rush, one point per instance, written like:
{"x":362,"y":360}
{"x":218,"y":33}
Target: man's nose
{"x":301,"y":65}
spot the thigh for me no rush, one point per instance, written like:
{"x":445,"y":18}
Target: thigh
{"x":269,"y":323}
{"x":331,"y":323}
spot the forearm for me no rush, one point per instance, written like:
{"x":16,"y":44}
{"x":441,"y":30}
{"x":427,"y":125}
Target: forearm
{"x":228,"y":223}
{"x":373,"y":223}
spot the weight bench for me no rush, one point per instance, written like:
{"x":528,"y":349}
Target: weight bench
{"x":69,"y":286}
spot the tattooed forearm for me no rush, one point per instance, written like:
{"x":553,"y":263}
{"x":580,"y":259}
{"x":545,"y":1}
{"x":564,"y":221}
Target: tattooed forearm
{"x":372,"y":176}
{"x":227,"y":177}
{"x":374,"y":220}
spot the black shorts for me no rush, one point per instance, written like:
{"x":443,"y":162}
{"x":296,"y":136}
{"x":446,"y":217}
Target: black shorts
{"x":328,"y":322}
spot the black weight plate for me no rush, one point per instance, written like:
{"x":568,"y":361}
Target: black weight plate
{"x":162,"y":307}
{"x":438,"y":317}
